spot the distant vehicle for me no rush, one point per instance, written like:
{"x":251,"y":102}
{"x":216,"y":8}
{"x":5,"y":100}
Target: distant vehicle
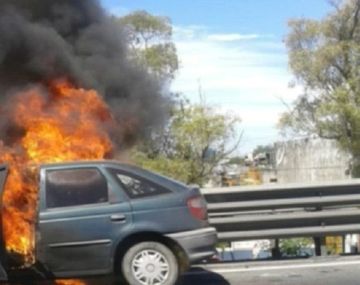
{"x":103,"y":217}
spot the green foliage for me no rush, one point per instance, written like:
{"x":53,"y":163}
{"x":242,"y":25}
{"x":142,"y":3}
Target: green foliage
{"x":172,"y":167}
{"x":325,"y":59}
{"x":196,"y":137}
{"x":195,"y":141}
{"x":223,"y":245}
{"x":293,"y":246}
{"x":146,"y":27}
{"x":150,"y":39}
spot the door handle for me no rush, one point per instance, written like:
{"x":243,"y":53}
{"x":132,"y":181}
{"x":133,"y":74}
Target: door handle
{"x":118,"y":218}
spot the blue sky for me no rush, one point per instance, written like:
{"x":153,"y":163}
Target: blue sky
{"x":234,"y":49}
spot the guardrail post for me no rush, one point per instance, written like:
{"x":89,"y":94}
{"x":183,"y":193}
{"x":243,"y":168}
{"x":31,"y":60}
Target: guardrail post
{"x":275,"y":251}
{"x":320,"y":246}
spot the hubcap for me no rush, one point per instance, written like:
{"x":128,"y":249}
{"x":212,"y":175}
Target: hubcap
{"x":150,"y":267}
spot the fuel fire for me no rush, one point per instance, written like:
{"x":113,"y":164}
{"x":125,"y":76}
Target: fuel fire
{"x":55,"y":122}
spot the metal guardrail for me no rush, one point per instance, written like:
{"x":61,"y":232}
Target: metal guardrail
{"x":280,"y":211}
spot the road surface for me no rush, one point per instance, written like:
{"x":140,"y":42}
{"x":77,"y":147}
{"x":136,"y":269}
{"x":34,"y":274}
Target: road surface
{"x":313,"y":271}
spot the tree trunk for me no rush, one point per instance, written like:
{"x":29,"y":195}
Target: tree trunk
{"x":355,"y":167}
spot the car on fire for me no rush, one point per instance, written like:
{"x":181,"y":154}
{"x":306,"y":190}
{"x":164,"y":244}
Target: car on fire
{"x":105,"y":217}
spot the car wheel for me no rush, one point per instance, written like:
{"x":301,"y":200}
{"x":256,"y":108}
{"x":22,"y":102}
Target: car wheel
{"x":150,"y":263}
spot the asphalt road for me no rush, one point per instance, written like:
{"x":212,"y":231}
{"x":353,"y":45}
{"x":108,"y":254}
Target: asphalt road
{"x":314,"y":271}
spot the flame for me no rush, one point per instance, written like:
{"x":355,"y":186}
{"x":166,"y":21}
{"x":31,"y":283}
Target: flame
{"x":59,"y":123}
{"x":70,"y":282}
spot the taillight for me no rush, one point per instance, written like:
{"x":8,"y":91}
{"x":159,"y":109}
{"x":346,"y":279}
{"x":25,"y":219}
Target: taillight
{"x":197,"y":207}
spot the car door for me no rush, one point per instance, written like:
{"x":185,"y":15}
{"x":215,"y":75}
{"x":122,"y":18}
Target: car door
{"x":81,"y":214}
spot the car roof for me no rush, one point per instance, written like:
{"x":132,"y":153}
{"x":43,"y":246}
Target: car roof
{"x":156,"y":177}
{"x":81,"y":163}
{"x":102,"y":162}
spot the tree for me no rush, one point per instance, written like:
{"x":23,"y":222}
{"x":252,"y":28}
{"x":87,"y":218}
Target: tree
{"x":195,"y":138}
{"x":150,"y":39}
{"x":294,"y":246}
{"x":195,"y":141}
{"x":325,"y":59}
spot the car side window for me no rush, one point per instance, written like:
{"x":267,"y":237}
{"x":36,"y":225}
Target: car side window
{"x":136,"y":187}
{"x":75,"y":187}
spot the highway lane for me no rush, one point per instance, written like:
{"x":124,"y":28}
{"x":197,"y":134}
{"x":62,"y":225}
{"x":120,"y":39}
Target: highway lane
{"x":313,"y":271}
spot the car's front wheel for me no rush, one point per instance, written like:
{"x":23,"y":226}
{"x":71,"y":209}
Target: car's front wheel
{"x":150,"y":263}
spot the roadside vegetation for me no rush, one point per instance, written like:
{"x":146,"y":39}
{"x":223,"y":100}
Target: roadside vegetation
{"x":195,"y":137}
{"x":324,"y":56}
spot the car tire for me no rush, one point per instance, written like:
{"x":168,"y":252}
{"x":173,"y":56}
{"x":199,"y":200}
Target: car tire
{"x":149,"y":263}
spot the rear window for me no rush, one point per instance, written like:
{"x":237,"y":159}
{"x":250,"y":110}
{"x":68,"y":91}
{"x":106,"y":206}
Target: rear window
{"x":136,"y":187}
{"x":75,"y":187}
{"x":161,"y":179}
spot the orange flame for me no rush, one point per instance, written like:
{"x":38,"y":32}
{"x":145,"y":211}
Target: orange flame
{"x":59,"y":123}
{"x":70,"y":282}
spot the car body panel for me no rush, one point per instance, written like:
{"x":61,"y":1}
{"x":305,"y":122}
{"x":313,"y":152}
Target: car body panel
{"x":198,"y":244}
{"x":3,"y":175}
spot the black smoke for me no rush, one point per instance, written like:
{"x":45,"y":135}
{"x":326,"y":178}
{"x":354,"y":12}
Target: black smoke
{"x":75,"y":39}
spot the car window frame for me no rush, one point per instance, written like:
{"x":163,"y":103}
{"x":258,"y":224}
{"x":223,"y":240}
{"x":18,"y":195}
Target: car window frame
{"x":110,"y":170}
{"x":44,"y":206}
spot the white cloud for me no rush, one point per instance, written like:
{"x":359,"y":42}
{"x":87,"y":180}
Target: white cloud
{"x":232,"y":37}
{"x":188,"y":32}
{"x":245,"y":77}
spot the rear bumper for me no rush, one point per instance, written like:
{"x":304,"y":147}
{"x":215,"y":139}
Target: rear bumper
{"x":198,"y":244}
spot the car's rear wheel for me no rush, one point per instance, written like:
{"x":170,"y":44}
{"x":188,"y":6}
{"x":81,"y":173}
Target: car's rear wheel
{"x":150,"y":263}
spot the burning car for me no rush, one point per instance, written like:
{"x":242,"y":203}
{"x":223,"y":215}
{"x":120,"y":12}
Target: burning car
{"x":70,"y":91}
{"x":103,"y":217}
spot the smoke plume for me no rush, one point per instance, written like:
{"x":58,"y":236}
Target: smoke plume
{"x":41,"y":40}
